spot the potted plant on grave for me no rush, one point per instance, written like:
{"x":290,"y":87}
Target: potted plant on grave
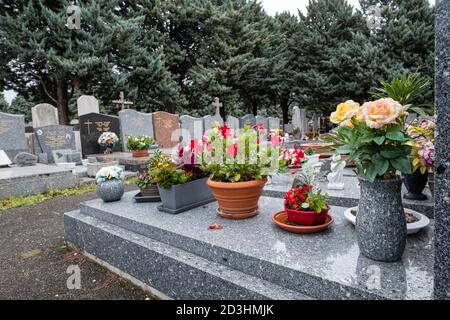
{"x":139,"y":145}
{"x":107,"y":141}
{"x":311,"y":156}
{"x":146,"y":182}
{"x":374,"y":137}
{"x":181,"y":181}
{"x":422,"y":158}
{"x":110,"y":185}
{"x":305,"y":206}
{"x":238,"y":167}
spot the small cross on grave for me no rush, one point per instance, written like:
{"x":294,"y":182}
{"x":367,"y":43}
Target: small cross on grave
{"x":218,"y":105}
{"x":123,"y":104}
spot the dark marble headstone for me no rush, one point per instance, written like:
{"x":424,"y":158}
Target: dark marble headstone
{"x":24,"y":159}
{"x":442,"y":191}
{"x":54,"y":137}
{"x":248,"y":119}
{"x":12,"y":134}
{"x":92,"y":125}
{"x":166,"y":127}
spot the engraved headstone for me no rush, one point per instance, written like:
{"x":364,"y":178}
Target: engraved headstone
{"x":12,"y":134}
{"x":210,"y":121}
{"x":166,"y":127}
{"x":24,"y":159}
{"x":248,"y":119}
{"x":296,"y":118}
{"x":43,"y":115}
{"x":92,"y":125}
{"x":191,"y":128}
{"x":274,"y":123}
{"x":233,"y":123}
{"x":55,"y":137}
{"x":4,"y":159}
{"x":87,"y":104}
{"x":134,"y":123}
{"x":263,"y":120}
{"x":303,"y":125}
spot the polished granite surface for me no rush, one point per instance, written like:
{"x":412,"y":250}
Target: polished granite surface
{"x":328,"y":264}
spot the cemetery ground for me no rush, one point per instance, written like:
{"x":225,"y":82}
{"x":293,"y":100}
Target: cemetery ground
{"x":34,"y":257}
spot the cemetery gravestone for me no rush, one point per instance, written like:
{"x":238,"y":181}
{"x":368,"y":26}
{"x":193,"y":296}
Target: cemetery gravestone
{"x":92,"y":125}
{"x":43,"y":115}
{"x":87,"y":104}
{"x":24,"y":159}
{"x":233,"y":123}
{"x":303,"y":125}
{"x":296,"y":118}
{"x":166,"y":127}
{"x":248,"y":119}
{"x":210,"y":121}
{"x":274,"y":123}
{"x":191,"y":128}
{"x":263,"y":120}
{"x":55,"y":137}
{"x":12,"y":134}
{"x":134,"y":123}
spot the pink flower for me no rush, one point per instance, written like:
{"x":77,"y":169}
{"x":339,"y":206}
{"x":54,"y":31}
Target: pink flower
{"x":275,"y":140}
{"x":381,"y":112}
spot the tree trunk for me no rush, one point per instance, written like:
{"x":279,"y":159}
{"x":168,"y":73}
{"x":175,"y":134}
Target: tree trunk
{"x":284,"y":104}
{"x":62,"y":101}
{"x":255,"y":110}
{"x":171,"y":108}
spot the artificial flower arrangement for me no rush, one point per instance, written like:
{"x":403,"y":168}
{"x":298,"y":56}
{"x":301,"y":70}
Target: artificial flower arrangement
{"x":139,"y":142}
{"x":108,"y":140}
{"x":109,"y":173}
{"x":423,"y":153}
{"x":293,"y":157}
{"x":373,"y":136}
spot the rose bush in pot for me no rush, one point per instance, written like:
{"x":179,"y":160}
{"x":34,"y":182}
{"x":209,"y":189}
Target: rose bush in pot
{"x":374,"y":137}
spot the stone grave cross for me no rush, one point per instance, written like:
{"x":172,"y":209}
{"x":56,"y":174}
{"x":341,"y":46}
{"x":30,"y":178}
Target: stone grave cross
{"x":122,"y":102}
{"x":218,"y":105}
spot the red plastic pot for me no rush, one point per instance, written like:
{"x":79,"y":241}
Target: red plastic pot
{"x":306,"y":218}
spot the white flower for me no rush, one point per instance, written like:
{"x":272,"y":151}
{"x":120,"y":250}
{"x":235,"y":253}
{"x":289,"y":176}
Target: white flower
{"x":109,"y":173}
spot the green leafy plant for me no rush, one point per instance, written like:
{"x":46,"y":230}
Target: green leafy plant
{"x":318,"y":201}
{"x":406,"y":90}
{"x":309,"y":152}
{"x":138,"y":143}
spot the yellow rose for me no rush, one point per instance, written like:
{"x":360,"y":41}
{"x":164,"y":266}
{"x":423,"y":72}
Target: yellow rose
{"x":381,"y":112}
{"x":345,"y":112}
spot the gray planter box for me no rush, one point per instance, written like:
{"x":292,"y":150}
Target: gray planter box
{"x":182,"y":197}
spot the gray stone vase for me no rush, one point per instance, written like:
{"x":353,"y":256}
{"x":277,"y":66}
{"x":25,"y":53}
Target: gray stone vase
{"x":381,"y":223}
{"x":110,"y":190}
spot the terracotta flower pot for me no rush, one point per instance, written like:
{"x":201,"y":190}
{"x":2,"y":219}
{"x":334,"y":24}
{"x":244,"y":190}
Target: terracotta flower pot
{"x":237,"y":200}
{"x":306,"y":218}
{"x":139,"y":153}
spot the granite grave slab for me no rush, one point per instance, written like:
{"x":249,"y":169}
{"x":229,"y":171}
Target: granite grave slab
{"x":12,"y":134}
{"x":326,"y":265}
{"x":25,"y":159}
{"x":210,"y":121}
{"x":92,"y":125}
{"x":43,"y":115}
{"x":87,"y":104}
{"x":191,"y":128}
{"x":54,"y":137}
{"x":135,"y":123}
{"x":166,"y":127}
{"x":248,"y":119}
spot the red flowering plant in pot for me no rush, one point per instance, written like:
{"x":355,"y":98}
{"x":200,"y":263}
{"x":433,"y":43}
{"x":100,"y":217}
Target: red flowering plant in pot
{"x":306,"y":206}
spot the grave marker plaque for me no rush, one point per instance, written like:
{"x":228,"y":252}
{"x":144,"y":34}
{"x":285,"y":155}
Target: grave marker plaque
{"x":92,"y":125}
{"x":166,"y":128}
{"x":12,"y":134}
{"x":135,"y":123}
{"x":55,"y":137}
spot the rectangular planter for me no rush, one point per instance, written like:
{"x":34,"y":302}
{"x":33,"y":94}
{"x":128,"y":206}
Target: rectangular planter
{"x":182,"y":197}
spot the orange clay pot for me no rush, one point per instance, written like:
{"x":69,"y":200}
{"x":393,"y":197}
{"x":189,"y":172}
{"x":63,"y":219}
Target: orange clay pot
{"x":237,"y":200}
{"x":140,"y":153}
